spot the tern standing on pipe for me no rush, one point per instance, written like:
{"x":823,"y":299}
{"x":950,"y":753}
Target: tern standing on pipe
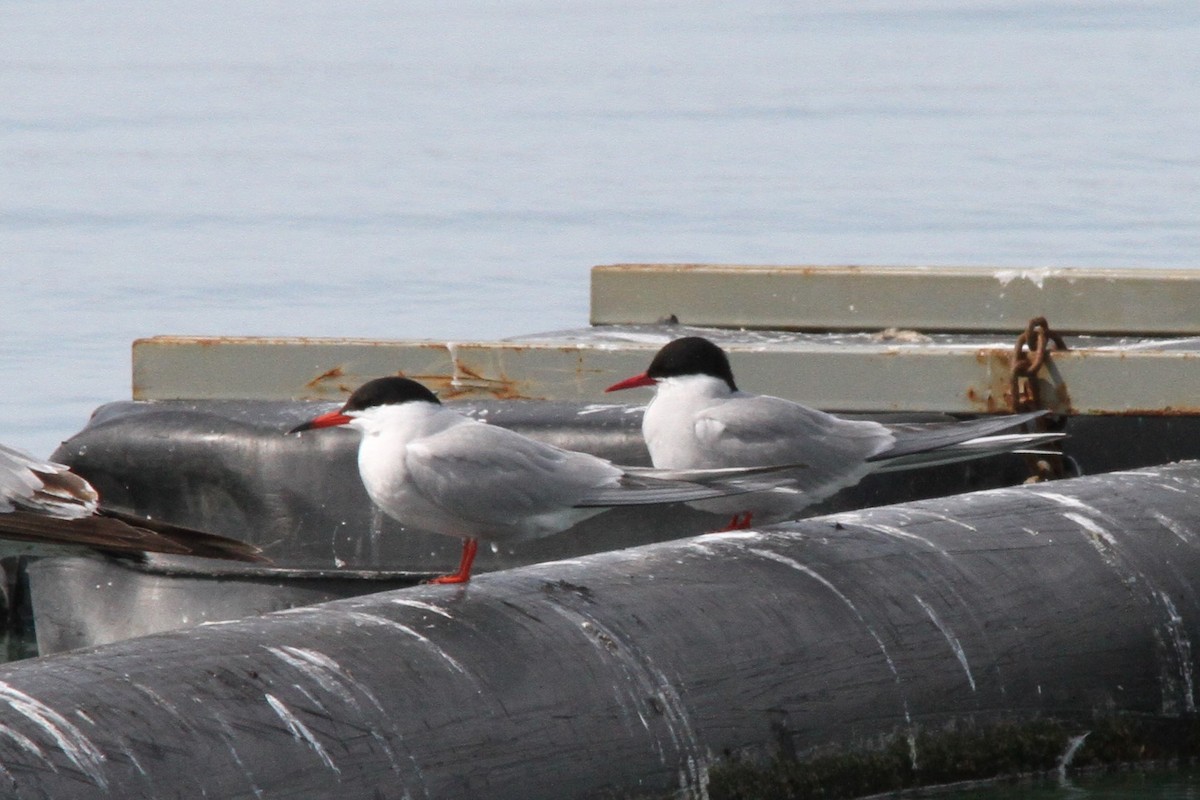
{"x":699,"y":419}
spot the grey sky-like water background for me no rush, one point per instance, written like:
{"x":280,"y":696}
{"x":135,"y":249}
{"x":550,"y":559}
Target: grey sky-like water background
{"x":452,"y":170}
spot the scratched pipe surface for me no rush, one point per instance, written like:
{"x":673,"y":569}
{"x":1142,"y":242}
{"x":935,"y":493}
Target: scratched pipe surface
{"x":633,"y":671}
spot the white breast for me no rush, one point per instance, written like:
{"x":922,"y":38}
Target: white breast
{"x":673,"y":426}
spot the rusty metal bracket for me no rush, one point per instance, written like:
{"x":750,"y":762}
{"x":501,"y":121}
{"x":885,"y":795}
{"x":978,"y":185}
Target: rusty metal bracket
{"x":1023,"y":383}
{"x":1030,"y":354}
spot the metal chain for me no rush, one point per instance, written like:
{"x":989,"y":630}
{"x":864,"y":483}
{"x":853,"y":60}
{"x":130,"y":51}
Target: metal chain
{"x":1030,"y":354}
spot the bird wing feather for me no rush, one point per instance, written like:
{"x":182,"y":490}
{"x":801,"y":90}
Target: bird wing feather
{"x":484,"y":473}
{"x":918,"y":439}
{"x":43,"y":487}
{"x":759,"y":430}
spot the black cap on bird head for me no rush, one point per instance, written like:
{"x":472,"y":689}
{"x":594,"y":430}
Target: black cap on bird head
{"x":392,"y":390}
{"x":379,"y":392}
{"x":692,"y":355}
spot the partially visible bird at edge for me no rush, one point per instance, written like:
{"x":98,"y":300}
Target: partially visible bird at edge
{"x":45,"y":508}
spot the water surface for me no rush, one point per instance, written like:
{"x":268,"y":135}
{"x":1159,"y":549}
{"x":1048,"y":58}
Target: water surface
{"x":452,"y":170}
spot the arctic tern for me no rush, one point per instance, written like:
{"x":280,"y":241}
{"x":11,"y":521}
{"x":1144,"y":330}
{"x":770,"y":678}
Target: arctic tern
{"x":699,"y":419}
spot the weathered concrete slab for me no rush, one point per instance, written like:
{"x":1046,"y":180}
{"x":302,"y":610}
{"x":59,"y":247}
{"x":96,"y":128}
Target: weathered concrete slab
{"x":866,"y":373}
{"x":1157,"y":302}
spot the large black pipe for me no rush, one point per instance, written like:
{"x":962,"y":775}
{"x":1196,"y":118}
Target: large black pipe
{"x":636,"y":671}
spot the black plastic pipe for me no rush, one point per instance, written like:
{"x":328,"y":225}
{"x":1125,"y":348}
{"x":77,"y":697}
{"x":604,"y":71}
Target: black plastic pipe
{"x":636,"y":671}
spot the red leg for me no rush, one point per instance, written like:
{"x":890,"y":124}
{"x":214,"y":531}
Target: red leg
{"x":739,"y":522}
{"x":464,"y":566}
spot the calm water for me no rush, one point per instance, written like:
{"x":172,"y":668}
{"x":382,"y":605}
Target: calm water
{"x":452,"y":170}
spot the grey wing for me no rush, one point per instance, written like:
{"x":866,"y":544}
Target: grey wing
{"x":644,"y":490}
{"x":931,"y":444}
{"x":486,"y":473}
{"x":43,"y":487}
{"x":918,"y":438}
{"x":651,"y":486}
{"x":758,"y":430}
{"x":753,"y":431}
